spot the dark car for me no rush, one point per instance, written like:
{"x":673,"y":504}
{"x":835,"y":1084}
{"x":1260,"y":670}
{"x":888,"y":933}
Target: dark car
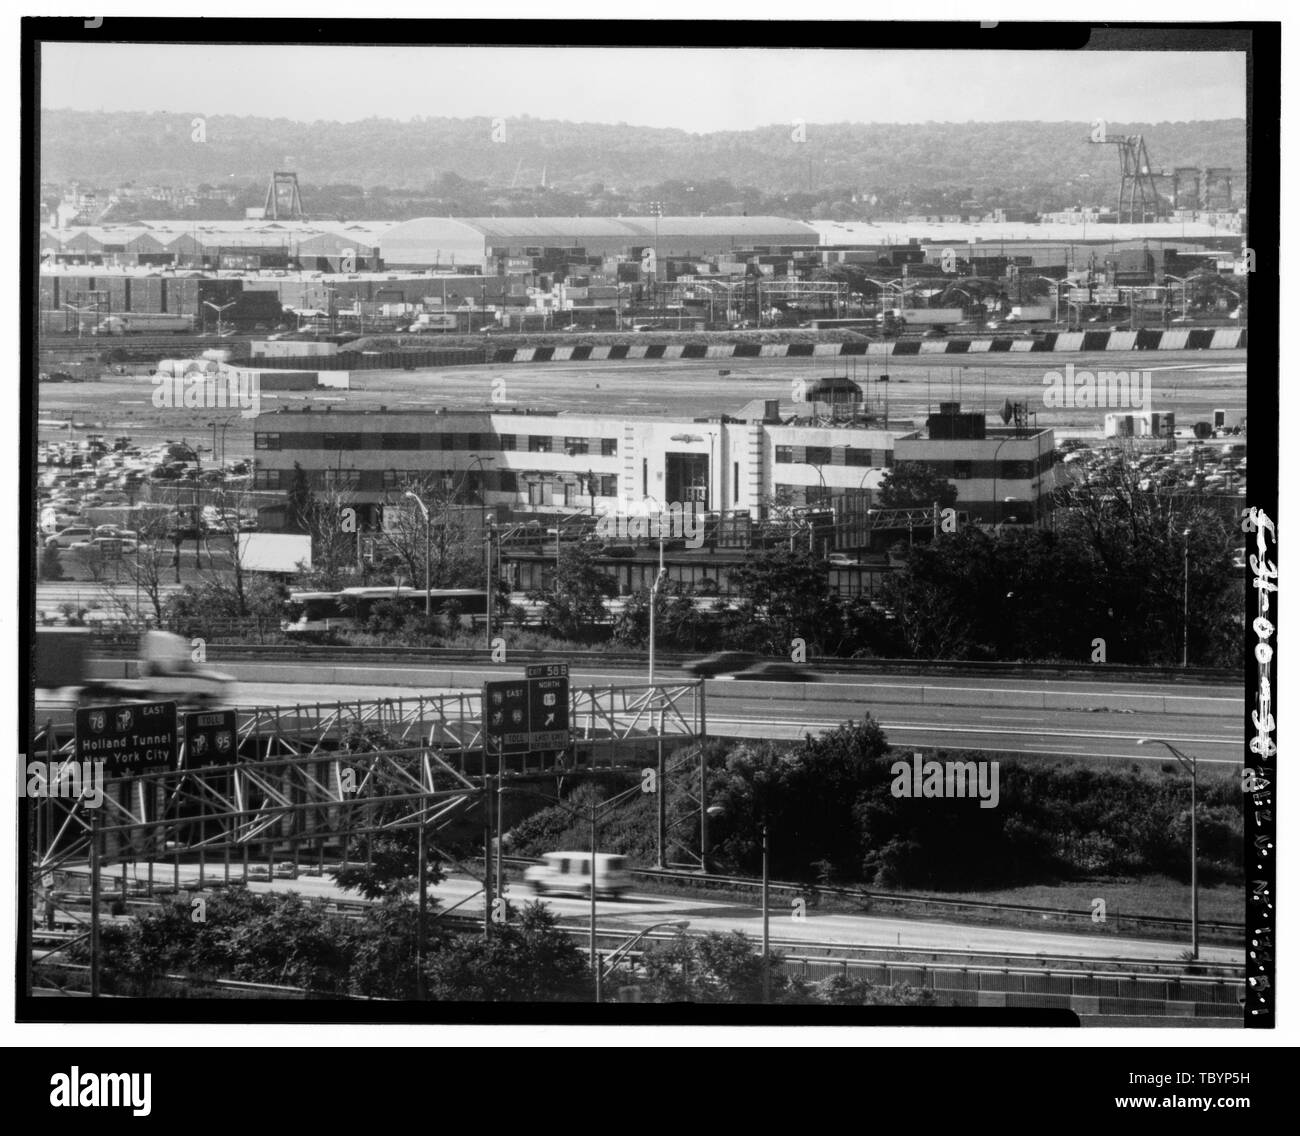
{"x":776,"y":672}
{"x":721,"y":662}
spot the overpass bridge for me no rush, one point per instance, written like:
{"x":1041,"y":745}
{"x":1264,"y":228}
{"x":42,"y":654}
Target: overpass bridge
{"x":306,"y":780}
{"x":310,"y":775}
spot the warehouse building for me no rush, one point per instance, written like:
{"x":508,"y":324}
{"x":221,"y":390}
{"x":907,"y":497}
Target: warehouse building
{"x":492,"y":243}
{"x":325,"y":246}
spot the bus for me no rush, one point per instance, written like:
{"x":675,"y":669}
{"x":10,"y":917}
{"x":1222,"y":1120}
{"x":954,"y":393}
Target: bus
{"x":320,"y":613}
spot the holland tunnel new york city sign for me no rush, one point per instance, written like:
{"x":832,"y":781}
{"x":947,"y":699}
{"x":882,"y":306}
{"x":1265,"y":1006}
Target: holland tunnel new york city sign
{"x":132,"y":738}
{"x":529,"y":714}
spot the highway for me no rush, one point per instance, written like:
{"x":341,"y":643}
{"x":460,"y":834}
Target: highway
{"x":1013,"y":715}
{"x":640,"y":910}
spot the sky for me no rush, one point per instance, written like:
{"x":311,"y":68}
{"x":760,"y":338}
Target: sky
{"x":699,"y":90}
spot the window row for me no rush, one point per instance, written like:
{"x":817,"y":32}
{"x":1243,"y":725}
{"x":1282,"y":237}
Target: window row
{"x":531,"y":443}
{"x":1018,"y":470}
{"x":834,"y":455}
{"x":495,"y":481}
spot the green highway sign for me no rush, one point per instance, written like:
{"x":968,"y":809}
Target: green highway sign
{"x":530,"y":714}
{"x":210,"y":739}
{"x":130,"y":738}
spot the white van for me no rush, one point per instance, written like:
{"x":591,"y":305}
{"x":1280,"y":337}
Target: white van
{"x":570,"y":873}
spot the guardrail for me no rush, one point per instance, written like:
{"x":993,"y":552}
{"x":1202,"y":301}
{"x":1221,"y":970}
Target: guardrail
{"x":1233,"y":933}
{"x":271,"y":652}
{"x":227,"y":986}
{"x":873,"y":900}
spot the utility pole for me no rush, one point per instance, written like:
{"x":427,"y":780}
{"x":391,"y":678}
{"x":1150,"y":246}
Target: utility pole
{"x":595,"y":955}
{"x":487,"y":850}
{"x":94,"y":903}
{"x":767,"y":963}
{"x":491,"y":582}
{"x":421,"y":857}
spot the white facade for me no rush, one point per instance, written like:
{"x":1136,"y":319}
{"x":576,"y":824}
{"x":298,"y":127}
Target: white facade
{"x":573,"y":462}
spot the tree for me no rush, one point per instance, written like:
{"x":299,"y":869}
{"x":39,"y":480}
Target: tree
{"x":145,"y":568}
{"x":251,"y":937}
{"x":1130,"y":540}
{"x":576,"y":602}
{"x":456,"y":548}
{"x":51,"y":568}
{"x":213,"y":607}
{"x":840,"y":990}
{"x":785,"y":596}
{"x":806,"y":792}
{"x":912,"y":485}
{"x":679,"y":623}
{"x":322,"y":513}
{"x":716,"y":967}
{"x":528,"y":959}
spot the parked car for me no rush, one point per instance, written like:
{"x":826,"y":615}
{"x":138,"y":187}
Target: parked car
{"x":570,"y":872}
{"x":721,"y":662}
{"x":105,"y":546}
{"x":841,"y":560}
{"x":66,"y":538}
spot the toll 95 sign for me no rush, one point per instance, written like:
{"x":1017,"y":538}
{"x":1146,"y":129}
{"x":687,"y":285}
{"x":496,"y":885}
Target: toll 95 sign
{"x":132,"y":738}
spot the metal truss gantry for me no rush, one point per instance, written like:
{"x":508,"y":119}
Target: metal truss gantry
{"x":312,"y":776}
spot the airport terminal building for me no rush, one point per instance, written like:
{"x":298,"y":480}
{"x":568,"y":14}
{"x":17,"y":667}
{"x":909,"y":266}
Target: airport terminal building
{"x":753,"y":461}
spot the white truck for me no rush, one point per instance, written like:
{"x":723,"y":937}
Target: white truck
{"x":165,"y":668}
{"x":1030,"y":313}
{"x":927,"y":317}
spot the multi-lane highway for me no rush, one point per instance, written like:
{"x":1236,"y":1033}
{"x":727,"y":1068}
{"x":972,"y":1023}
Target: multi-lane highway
{"x":1012,"y":715}
{"x":790,"y":925}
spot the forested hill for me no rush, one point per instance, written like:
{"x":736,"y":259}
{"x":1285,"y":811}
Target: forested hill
{"x":1025,"y":165}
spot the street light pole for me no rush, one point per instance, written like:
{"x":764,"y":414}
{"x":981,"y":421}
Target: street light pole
{"x":595,"y":955}
{"x":421,"y":858}
{"x":654,"y":601}
{"x":219,"y":309}
{"x":1189,"y":764}
{"x":428,"y":599}
{"x":1186,"y":564}
{"x":624,"y":947}
{"x":767,"y":968}
{"x":593,"y":814}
